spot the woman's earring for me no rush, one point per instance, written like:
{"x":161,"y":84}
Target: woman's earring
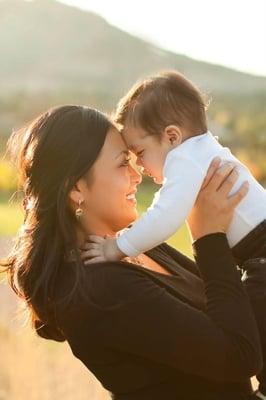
{"x":79,"y":211}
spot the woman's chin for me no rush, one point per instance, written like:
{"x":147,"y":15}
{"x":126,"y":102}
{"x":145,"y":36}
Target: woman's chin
{"x":126,"y":221}
{"x":132,"y":216}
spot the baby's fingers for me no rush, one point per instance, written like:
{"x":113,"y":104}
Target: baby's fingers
{"x":90,"y":246}
{"x":95,"y":239}
{"x":94,"y":260}
{"x":90,"y":254}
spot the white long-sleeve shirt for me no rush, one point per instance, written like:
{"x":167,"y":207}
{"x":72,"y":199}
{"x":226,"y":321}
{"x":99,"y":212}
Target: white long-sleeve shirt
{"x":184,"y":171}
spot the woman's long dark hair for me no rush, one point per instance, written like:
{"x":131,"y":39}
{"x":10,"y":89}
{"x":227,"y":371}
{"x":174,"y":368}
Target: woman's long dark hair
{"x":52,"y":153}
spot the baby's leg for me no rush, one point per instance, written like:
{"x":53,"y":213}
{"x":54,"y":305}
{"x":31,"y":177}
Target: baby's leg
{"x":251,"y":246}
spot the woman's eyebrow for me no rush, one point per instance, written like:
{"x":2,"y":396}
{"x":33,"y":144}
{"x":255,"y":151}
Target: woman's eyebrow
{"x":126,"y":152}
{"x":132,"y":147}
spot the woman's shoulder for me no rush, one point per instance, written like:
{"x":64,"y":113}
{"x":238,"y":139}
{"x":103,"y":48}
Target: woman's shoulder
{"x":116,"y":283}
{"x":113,"y":284}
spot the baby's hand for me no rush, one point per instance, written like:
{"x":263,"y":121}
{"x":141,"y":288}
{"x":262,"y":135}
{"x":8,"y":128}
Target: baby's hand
{"x":92,"y":251}
{"x":99,"y":249}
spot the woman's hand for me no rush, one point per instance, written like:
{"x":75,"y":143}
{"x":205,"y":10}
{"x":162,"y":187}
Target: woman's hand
{"x":214,"y":209}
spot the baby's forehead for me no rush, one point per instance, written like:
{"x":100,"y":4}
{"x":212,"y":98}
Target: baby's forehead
{"x":133,"y":134}
{"x":133,"y":140}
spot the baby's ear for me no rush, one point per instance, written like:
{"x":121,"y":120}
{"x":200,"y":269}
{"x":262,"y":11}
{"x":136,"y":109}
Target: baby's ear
{"x":173,"y":135}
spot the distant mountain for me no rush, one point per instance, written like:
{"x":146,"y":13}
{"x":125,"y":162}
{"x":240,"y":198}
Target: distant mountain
{"x":48,"y":46}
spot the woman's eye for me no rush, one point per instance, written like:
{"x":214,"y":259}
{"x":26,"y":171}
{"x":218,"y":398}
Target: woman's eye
{"x":126,"y":162}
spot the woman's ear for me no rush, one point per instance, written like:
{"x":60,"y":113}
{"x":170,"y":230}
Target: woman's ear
{"x":75,"y":194}
{"x":172,"y":134}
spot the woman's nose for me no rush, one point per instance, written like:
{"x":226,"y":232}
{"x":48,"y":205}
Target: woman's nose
{"x":135,"y":176}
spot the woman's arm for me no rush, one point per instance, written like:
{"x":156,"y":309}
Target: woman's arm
{"x":141,"y":318}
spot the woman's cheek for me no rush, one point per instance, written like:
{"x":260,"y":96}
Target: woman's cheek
{"x":125,"y":188}
{"x":120,"y":186}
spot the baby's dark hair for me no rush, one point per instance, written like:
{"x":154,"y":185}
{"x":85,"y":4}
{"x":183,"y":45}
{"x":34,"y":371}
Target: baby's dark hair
{"x":161,"y":100}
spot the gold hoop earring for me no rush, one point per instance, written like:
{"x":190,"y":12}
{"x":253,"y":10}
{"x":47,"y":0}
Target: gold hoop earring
{"x":79,"y":211}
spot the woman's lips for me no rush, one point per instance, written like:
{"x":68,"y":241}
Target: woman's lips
{"x":132,"y":197}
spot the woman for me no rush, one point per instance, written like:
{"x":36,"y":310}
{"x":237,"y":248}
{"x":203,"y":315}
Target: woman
{"x":155,"y":327}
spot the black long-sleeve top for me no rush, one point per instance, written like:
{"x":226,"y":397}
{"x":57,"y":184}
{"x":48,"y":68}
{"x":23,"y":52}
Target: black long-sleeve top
{"x":147,"y":335}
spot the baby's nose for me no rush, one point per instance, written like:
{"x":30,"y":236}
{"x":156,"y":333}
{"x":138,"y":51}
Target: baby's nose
{"x":136,"y":176}
{"x":139,"y":162}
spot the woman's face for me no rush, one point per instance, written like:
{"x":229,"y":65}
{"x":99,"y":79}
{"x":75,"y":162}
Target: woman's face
{"x":109,"y":194}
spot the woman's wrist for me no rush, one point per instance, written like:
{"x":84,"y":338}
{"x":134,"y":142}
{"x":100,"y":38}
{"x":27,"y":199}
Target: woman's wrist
{"x":214,"y":243}
{"x":205,"y":232}
{"x":213,"y":255}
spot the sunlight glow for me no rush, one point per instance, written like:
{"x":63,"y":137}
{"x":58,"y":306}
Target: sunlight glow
{"x":231,"y":33}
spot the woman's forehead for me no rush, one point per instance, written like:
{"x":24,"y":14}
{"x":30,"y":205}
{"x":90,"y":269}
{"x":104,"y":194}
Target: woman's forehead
{"x":115,"y":143}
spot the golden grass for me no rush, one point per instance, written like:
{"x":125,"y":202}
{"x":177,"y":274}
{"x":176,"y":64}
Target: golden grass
{"x":35,"y":369}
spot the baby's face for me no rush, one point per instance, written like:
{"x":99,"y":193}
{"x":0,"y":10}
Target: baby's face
{"x":150,"y":152}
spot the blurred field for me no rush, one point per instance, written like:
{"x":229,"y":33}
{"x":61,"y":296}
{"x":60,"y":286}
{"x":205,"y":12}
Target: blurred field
{"x":10,"y":217}
{"x":35,"y":369}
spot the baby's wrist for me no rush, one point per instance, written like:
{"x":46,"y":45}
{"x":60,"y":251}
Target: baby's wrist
{"x":119,"y":254}
{"x":112,"y":251}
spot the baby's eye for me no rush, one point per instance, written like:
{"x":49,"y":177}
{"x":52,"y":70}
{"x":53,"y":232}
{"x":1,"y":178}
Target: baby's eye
{"x":140,"y":153}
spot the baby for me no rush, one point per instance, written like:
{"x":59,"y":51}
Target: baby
{"x":165,"y":125}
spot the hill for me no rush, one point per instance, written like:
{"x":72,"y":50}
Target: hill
{"x":53,"y":54}
{"x":46,"y":45}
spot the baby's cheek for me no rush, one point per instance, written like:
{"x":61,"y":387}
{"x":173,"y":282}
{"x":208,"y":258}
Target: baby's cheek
{"x":158,"y":169}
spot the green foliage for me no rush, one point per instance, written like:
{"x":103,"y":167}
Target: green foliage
{"x":244,"y":120}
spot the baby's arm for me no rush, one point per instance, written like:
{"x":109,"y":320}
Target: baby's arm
{"x":170,"y":207}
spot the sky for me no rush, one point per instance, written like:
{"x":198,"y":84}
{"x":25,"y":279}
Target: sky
{"x":226,"y":32}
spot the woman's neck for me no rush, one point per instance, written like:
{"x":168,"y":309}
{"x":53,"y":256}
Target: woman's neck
{"x":83,"y":234}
